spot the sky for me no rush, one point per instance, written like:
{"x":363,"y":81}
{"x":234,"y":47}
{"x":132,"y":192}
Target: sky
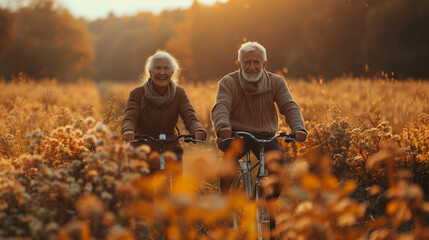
{"x":93,"y":9}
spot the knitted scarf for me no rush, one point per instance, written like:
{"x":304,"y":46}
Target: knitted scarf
{"x":152,"y":95}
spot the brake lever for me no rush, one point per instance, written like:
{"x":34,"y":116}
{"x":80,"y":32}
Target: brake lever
{"x":137,"y":140}
{"x":290,"y":140}
{"x":188,"y":139}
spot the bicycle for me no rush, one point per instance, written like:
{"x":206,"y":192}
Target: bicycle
{"x":244,"y":179}
{"x":162,"y":140}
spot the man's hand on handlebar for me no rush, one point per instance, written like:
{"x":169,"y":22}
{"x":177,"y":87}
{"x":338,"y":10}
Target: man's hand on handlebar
{"x":128,"y":136}
{"x":300,"y":136}
{"x":225,"y":132}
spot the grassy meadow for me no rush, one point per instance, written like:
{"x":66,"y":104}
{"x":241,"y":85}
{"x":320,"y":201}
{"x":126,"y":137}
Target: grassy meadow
{"x":66,"y":173}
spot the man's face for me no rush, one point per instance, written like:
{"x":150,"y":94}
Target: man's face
{"x":252,"y":65}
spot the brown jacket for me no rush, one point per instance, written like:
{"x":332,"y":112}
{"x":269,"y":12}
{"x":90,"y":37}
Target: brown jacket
{"x":246,"y":107}
{"x":143,"y":117}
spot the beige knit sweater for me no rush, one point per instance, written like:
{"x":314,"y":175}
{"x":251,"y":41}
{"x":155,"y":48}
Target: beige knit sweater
{"x":250,"y":107}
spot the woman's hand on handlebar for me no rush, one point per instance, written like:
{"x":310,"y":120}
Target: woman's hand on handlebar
{"x":200,"y":135}
{"x":128,"y":136}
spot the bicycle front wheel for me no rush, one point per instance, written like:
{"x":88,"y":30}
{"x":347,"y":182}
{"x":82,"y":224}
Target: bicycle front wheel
{"x":262,"y":213}
{"x":242,"y":185}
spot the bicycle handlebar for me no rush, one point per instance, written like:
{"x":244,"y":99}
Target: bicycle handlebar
{"x":288,"y":137}
{"x":163,"y":140}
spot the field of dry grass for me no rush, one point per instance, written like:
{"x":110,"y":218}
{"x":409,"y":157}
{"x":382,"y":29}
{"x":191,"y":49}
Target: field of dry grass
{"x":66,"y":174}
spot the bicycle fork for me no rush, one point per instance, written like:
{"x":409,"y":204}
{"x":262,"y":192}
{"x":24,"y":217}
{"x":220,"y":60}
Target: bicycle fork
{"x":247,"y":176}
{"x":247,"y":185}
{"x":163,"y":234}
{"x":261,"y":216}
{"x":162,"y":168}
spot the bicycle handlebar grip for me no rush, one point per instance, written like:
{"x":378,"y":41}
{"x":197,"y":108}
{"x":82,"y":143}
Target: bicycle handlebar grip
{"x":284,"y":134}
{"x":141,"y":138}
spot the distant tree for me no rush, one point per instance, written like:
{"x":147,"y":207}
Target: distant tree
{"x":123,"y":43}
{"x":204,"y":43}
{"x":397,"y":38}
{"x":328,"y":36}
{"x":209,"y":38}
{"x":308,"y":37}
{"x":7,"y":37}
{"x":50,"y":42}
{"x":302,"y":37}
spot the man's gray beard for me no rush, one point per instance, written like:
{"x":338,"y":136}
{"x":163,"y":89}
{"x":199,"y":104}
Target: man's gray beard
{"x":251,"y":79}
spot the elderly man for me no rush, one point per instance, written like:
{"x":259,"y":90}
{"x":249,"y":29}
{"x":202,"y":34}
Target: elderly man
{"x":245,"y":102}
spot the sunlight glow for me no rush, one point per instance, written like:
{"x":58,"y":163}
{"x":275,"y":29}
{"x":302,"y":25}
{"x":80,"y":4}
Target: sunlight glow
{"x":101,"y":8}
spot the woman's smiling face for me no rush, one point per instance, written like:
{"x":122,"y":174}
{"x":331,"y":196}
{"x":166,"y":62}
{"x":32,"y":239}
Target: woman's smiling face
{"x":161,"y":73}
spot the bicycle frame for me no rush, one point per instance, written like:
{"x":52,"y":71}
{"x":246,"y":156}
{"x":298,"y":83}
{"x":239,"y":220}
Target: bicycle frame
{"x":162,"y":140}
{"x":246,"y":169}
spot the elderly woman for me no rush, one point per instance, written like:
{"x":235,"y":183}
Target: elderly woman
{"x":155,"y":107}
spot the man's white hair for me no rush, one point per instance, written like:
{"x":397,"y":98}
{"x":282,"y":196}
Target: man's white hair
{"x":251,"y":46}
{"x":161,"y":55}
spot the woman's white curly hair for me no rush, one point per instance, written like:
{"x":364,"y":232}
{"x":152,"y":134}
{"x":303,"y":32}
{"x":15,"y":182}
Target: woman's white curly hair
{"x":161,"y":55}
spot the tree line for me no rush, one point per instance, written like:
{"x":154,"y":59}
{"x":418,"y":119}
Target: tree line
{"x":44,"y":40}
{"x":304,"y":38}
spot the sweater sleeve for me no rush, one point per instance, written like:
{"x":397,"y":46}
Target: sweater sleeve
{"x":287,"y":106}
{"x":188,"y":114}
{"x":132,"y":111}
{"x":222,"y":108}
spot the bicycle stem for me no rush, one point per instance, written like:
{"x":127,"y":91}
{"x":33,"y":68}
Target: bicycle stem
{"x":161,"y":159}
{"x":262,"y":159}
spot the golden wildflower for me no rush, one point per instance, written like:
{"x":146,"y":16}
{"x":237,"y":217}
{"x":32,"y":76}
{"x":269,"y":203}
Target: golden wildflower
{"x":109,"y":219}
{"x":89,"y":121}
{"x":119,"y":233}
{"x":310,"y":182}
{"x":75,"y":230}
{"x":374,"y":190}
{"x":89,"y":206}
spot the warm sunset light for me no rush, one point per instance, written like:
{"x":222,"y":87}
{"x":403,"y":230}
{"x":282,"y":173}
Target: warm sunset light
{"x":101,"y":8}
{"x":214,"y":119}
